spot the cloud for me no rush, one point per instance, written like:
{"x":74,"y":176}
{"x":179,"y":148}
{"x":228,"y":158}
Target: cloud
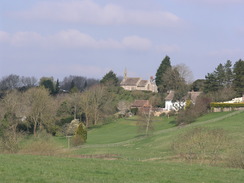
{"x":70,"y":39}
{"x":135,"y":42}
{"x":87,"y":11}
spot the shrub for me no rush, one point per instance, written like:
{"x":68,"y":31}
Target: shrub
{"x":201,"y":144}
{"x":81,"y":132}
{"x":227,"y":105}
{"x":43,"y":144}
{"x":77,"y":140}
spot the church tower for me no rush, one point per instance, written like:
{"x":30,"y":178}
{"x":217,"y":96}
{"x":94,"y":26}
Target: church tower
{"x":125,"y":74}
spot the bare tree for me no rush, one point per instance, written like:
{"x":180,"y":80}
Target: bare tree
{"x":40,"y":108}
{"x":10,"y":82}
{"x":97,"y":102}
{"x":85,"y":103}
{"x":123,"y":106}
{"x":13,"y":113}
{"x":185,"y":73}
{"x":145,"y":121}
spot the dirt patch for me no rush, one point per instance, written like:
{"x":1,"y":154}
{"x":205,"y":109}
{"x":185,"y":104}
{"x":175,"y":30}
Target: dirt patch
{"x":99,"y":156}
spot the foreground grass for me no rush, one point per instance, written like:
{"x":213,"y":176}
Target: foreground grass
{"x":142,"y":160}
{"x":41,"y":169}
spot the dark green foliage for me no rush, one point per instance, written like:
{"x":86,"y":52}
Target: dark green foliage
{"x":48,"y":84}
{"x":211,"y":83}
{"x":164,"y":66}
{"x":238,"y":81}
{"x":221,"y":78}
{"x":110,"y":79}
{"x":57,"y":87}
{"x":134,"y":111}
{"x":198,"y":85}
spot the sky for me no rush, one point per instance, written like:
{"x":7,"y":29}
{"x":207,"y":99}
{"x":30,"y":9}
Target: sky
{"x":91,"y":37}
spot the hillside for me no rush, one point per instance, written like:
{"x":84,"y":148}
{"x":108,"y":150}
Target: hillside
{"x":117,"y":153}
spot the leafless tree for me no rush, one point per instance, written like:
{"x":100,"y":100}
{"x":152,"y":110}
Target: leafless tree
{"x":123,"y":106}
{"x":40,"y":108}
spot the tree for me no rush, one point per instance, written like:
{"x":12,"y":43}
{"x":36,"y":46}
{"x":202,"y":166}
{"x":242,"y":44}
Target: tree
{"x":211,"y":84}
{"x":228,"y":73}
{"x":110,"y":79}
{"x":198,"y":85}
{"x":57,"y":87}
{"x":221,"y":78}
{"x":13,"y":115}
{"x":174,"y":81}
{"x":145,"y":122}
{"x":10,"y":82}
{"x":123,"y":107}
{"x":185,"y":73}
{"x":80,"y":82}
{"x":98,"y":101}
{"x":48,"y":84}
{"x":164,"y":66}
{"x":238,"y":81}
{"x":85,"y":103}
{"x":40,"y":108}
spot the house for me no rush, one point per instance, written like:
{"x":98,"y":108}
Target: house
{"x":141,"y":104}
{"x":136,"y":83}
{"x":170,"y":105}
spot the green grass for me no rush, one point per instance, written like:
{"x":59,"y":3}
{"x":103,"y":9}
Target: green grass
{"x":139,"y":159}
{"x":24,"y":169}
{"x":122,"y":130}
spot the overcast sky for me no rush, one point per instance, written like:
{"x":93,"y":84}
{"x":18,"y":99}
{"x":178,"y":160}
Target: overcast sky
{"x":90,"y":37}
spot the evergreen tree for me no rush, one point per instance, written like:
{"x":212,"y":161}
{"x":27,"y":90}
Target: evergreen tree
{"x":57,"y":87}
{"x":220,"y":75}
{"x":164,"y":66}
{"x":238,"y":82}
{"x":228,"y":73}
{"x":110,"y":79}
{"x":48,"y":84}
{"x":211,"y":83}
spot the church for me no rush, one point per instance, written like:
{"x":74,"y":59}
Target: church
{"x":136,"y":83}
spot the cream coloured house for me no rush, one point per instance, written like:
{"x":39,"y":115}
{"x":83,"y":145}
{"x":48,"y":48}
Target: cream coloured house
{"x":129,"y":83}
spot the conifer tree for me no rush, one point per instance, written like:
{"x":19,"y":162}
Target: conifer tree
{"x":164,"y":66}
{"x":238,"y":81}
{"x":110,"y":79}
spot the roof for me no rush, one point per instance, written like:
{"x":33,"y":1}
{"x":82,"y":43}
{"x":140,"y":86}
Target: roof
{"x":140,"y":103}
{"x":193,"y":95}
{"x":190,"y":95}
{"x":170,"y":96}
{"x":142,"y":83}
{"x":130,"y":81}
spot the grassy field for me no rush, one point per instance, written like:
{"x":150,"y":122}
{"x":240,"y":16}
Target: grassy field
{"x":122,"y":155}
{"x":26,"y":168}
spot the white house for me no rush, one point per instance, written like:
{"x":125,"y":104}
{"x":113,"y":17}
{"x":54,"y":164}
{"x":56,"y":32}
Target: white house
{"x":170,"y":105}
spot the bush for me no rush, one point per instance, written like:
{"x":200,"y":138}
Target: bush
{"x":226,"y":105}
{"x":9,"y":141}
{"x":81,"y":132}
{"x":77,"y":140}
{"x":43,"y":144}
{"x":201,"y":144}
